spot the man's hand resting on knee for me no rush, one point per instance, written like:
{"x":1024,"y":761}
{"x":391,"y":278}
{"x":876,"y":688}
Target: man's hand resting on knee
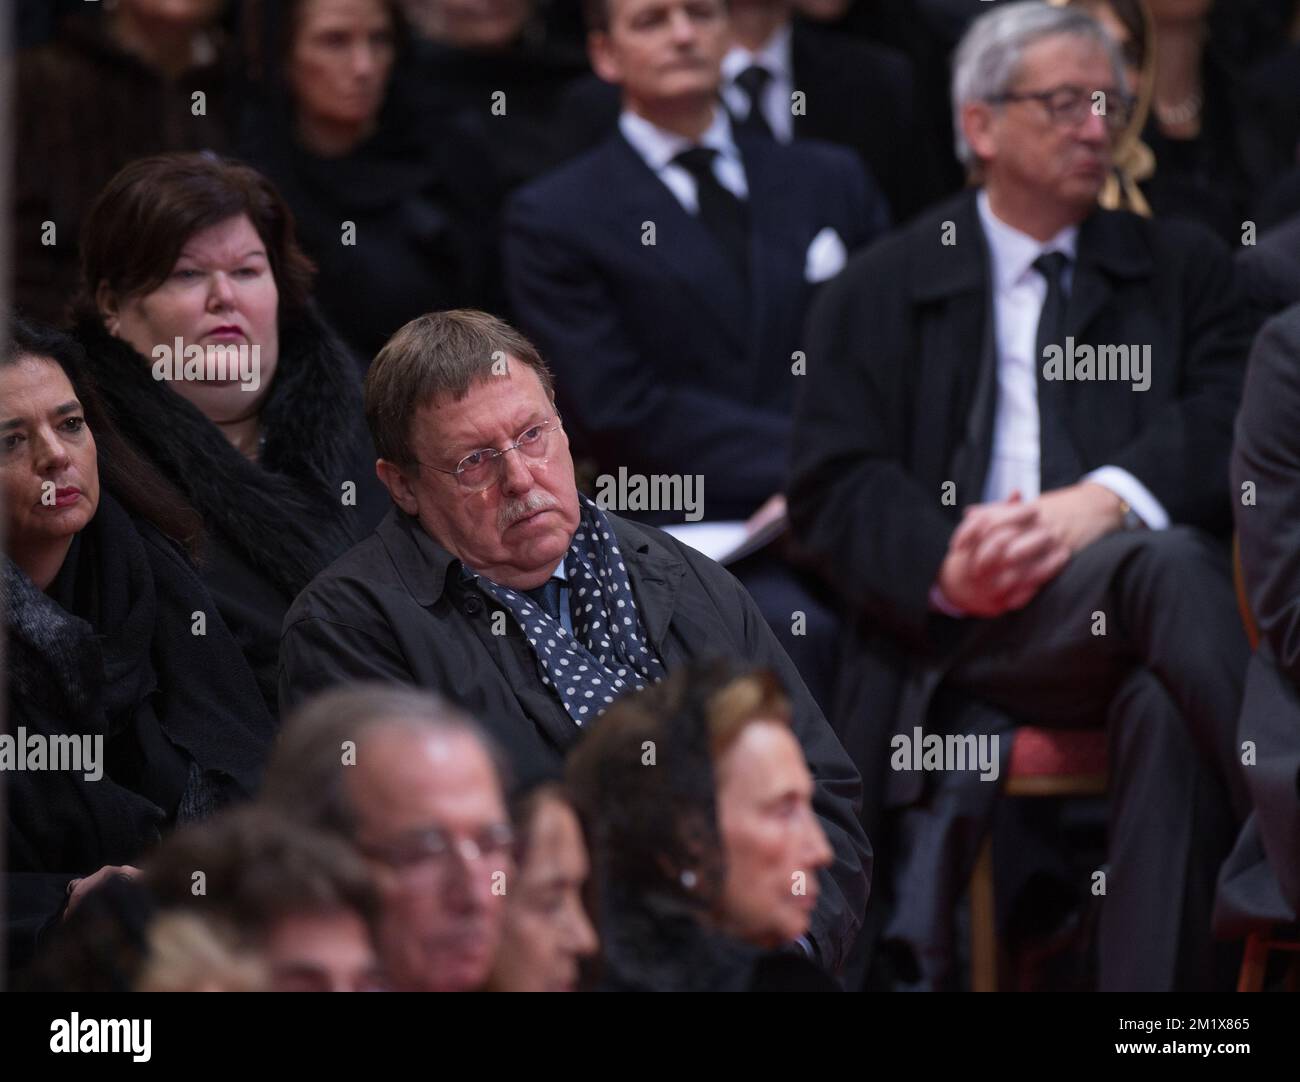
{"x":1000,"y":556}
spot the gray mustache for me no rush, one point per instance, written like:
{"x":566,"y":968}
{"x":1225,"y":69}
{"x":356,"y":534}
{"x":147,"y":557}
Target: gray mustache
{"x":512,"y":512}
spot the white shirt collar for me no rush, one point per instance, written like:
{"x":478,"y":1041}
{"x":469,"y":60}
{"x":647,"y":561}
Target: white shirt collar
{"x":774,"y":56}
{"x":1014,"y":252}
{"x":560,"y":572}
{"x":659,"y":147}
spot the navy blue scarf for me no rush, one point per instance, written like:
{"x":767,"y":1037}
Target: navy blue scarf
{"x":608,"y":652}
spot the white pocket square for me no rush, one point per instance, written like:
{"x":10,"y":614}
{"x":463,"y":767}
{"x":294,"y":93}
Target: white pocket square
{"x":826,"y":256}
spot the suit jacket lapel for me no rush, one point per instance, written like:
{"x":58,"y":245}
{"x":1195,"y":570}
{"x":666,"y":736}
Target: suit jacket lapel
{"x":683,"y":244}
{"x":655,"y":577}
{"x":1109,"y":252}
{"x":776,"y":264}
{"x":1089,"y":293}
{"x":1110,"y":249}
{"x":955,"y":286}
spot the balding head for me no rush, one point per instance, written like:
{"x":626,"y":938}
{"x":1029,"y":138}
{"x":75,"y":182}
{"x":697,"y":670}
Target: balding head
{"x":414,"y":784}
{"x":320,"y":745}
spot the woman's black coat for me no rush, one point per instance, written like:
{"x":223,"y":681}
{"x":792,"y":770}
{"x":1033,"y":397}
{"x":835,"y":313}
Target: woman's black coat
{"x":403,"y":225}
{"x":114,"y":650}
{"x":271,"y":525}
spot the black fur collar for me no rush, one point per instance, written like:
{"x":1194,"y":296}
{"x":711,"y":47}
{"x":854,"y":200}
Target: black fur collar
{"x":283,"y":515}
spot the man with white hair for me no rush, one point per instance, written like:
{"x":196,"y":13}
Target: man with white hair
{"x":1012,"y":447}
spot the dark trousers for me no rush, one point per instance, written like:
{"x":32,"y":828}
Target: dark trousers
{"x":1166,"y":679}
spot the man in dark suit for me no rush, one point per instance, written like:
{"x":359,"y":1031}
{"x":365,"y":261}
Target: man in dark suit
{"x":666,"y":275}
{"x":811,"y":84}
{"x":1033,"y":536}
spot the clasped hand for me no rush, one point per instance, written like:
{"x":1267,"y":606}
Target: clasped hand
{"x":1002,"y":553}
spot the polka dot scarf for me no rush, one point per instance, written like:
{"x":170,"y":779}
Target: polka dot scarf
{"x":608,"y":652}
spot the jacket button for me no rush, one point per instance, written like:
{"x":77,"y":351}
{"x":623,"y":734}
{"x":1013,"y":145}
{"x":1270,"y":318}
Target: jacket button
{"x":473,"y":605}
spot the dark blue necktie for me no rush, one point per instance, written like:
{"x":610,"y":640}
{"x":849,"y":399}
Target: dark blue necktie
{"x":721,"y":210}
{"x":753,"y":80}
{"x":547,"y":595}
{"x":1058,"y":464}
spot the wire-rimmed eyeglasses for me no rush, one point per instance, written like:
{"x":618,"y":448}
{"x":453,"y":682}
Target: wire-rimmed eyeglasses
{"x":481,"y":469}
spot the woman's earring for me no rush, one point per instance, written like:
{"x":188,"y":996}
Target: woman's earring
{"x":688,"y":879}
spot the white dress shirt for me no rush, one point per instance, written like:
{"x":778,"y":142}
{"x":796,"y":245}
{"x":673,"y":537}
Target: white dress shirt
{"x":1019,"y":292}
{"x":658,"y":147}
{"x":1018,"y":295}
{"x":775,"y":99}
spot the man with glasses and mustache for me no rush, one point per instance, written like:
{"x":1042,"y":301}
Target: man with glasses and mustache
{"x":494,"y":583}
{"x":1027,"y":549}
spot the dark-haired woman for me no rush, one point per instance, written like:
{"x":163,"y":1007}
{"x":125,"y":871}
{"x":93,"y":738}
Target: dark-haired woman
{"x":706,"y":852}
{"x":395,"y":205}
{"x":130,"y":706}
{"x":197,"y":319}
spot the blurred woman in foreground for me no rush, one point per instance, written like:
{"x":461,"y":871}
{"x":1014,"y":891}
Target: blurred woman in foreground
{"x":705,"y":847}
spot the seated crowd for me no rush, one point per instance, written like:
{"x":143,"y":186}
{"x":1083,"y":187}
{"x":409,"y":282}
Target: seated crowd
{"x":497,"y":501}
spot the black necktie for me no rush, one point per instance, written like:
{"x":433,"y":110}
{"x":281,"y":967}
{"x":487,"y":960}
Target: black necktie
{"x":753,"y":81}
{"x":1058,"y":465}
{"x":721,"y":212}
{"x":547,"y":595}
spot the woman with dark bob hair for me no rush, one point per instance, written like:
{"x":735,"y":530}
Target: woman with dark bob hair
{"x":131,"y":708}
{"x":196,"y":314}
{"x":705,"y":849}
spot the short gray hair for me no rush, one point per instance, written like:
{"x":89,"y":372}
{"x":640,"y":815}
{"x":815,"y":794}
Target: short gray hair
{"x":304,"y":778}
{"x":989,"y":55}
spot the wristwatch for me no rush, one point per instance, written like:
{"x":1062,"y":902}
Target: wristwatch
{"x":1129,"y":519}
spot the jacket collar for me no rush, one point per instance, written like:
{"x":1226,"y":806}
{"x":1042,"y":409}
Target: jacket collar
{"x":421,"y":563}
{"x":1111,"y":244}
{"x":656,"y":573}
{"x":658,"y":148}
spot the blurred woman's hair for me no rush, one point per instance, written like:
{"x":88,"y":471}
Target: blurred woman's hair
{"x":525,"y":804}
{"x":259,"y":868}
{"x":188,"y":953}
{"x":150,"y":210}
{"x":1132,"y":160}
{"x":123,"y":471}
{"x":644,"y":783}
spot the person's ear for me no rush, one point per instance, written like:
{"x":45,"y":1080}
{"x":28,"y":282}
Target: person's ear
{"x":978,"y":124}
{"x":106,"y":304}
{"x":399,"y":486}
{"x":604,"y":61}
